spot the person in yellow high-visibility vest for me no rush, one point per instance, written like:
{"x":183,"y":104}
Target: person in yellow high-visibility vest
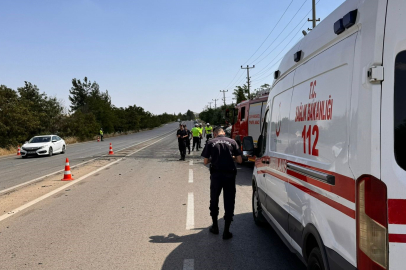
{"x":196,"y":137}
{"x":101,"y":134}
{"x":201,"y":135}
{"x":209,"y":132}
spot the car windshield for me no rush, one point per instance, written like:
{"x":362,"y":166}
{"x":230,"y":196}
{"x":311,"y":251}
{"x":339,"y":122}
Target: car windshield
{"x":40,"y":139}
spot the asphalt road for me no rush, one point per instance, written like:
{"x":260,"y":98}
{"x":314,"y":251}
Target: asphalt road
{"x":14,"y":170}
{"x":147,"y":211}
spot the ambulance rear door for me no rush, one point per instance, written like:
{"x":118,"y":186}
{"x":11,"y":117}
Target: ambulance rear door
{"x":393,"y":130}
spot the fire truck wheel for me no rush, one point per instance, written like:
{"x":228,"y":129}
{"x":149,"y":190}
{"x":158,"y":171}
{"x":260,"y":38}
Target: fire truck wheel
{"x":315,"y":261}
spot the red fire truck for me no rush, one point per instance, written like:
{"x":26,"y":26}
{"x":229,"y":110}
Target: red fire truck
{"x":247,"y":120}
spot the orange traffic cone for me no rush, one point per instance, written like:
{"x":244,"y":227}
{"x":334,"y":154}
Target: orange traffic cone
{"x":111,"y":150}
{"x":18,"y":151}
{"x":98,"y":139}
{"x":67,"y":175}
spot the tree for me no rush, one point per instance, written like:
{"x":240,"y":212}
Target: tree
{"x":240,"y":93}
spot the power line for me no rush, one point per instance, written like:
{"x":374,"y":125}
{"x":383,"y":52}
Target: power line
{"x":286,"y":46}
{"x":270,"y":32}
{"x":261,"y":71}
{"x":280,"y":32}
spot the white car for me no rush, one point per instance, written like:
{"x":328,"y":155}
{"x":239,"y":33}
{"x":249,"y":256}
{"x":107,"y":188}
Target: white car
{"x":43,"y":145}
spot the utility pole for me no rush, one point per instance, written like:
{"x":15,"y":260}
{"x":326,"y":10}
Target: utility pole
{"x":210,"y":104}
{"x":215,"y":103}
{"x":248,"y":78}
{"x":314,"y":20}
{"x":224,"y":96}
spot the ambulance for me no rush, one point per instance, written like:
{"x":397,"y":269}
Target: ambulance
{"x":330,"y":173}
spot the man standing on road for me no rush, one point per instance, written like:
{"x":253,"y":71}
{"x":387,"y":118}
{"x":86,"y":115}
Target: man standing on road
{"x":196,"y":137}
{"x":181,"y":134}
{"x":221,"y":153}
{"x":208,"y":129}
{"x":101,"y":134}
{"x":201,"y":135}
{"x":187,"y":141}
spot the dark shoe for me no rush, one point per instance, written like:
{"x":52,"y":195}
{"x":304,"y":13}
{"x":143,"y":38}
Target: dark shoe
{"x":214,"y":230}
{"x":181,"y":159}
{"x":227,"y":235}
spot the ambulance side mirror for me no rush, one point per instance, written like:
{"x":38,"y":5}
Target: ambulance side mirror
{"x":258,"y":150}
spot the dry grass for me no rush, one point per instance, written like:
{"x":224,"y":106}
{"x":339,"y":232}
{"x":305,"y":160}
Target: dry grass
{"x":8,"y":151}
{"x":71,"y":140}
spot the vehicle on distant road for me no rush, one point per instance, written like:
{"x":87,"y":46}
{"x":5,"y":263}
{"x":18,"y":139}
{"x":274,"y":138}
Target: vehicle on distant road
{"x":45,"y":145}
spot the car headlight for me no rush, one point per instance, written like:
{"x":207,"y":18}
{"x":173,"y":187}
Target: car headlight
{"x":41,"y":147}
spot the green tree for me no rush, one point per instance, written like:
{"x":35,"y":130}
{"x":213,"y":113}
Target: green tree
{"x":240,"y":93}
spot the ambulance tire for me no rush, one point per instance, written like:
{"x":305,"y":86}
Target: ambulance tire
{"x":256,"y":207}
{"x":315,"y":261}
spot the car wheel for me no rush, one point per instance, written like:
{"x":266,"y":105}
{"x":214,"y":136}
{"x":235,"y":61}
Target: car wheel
{"x":257,"y":208}
{"x":315,"y":261}
{"x":24,"y":156}
{"x":63,"y":149}
{"x":50,"y":151}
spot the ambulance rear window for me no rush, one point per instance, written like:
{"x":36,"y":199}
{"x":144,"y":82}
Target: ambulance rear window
{"x":400,"y":109}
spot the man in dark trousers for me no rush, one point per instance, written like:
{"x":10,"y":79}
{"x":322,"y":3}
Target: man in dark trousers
{"x":181,"y":134}
{"x":221,"y":152}
{"x":187,"y":140}
{"x":196,"y":137}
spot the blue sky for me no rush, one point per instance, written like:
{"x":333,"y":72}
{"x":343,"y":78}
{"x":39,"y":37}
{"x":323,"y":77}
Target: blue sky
{"x":163,"y":55}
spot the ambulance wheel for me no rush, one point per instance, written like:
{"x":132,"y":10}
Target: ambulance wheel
{"x":257,"y":208}
{"x":315,"y":261}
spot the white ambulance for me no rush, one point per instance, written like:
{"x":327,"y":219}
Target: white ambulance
{"x":331,"y":170}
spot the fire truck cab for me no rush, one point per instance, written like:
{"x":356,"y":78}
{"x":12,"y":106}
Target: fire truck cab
{"x":247,"y":121}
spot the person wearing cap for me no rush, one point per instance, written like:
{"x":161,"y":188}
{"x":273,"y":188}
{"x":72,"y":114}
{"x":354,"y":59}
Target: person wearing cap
{"x":221,"y":152}
{"x":181,"y":134}
{"x":201,"y":135}
{"x":196,"y":137}
{"x":187,"y":140}
{"x":208,"y":131}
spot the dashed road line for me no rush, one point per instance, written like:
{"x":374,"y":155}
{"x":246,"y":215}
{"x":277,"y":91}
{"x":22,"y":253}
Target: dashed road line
{"x":190,"y":175}
{"x":190,"y":215}
{"x":189,"y":264}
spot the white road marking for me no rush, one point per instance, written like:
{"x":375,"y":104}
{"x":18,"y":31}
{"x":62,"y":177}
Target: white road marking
{"x":191,"y":162}
{"x":190,"y":215}
{"x":43,"y":197}
{"x":44,"y":176}
{"x":189,"y":264}
{"x":190,"y":176}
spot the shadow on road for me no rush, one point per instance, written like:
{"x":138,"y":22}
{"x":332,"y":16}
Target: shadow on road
{"x":252,"y":247}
